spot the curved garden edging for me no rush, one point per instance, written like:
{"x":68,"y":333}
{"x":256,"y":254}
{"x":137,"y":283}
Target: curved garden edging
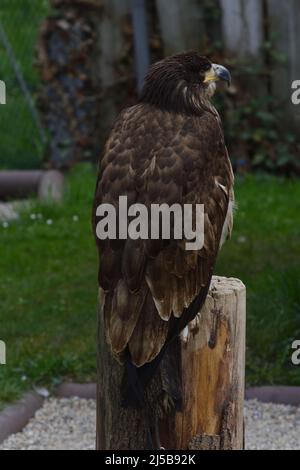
{"x":15,"y":417}
{"x":278,"y":394}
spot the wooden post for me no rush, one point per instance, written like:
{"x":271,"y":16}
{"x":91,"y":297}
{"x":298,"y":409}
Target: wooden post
{"x":213,"y":369}
{"x":213,"y":362}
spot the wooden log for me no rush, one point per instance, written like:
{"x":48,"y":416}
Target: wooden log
{"x":213,"y":362}
{"x":51,"y":186}
{"x":19,"y":184}
{"x":46,"y":185}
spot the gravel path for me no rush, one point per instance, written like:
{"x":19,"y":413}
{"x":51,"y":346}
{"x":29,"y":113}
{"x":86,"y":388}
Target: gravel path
{"x":62,"y":424}
{"x":70,"y":424}
{"x":272,"y":427}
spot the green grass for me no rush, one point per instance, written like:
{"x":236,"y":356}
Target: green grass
{"x":48,"y":289}
{"x":48,"y":293}
{"x":20,"y":145}
{"x":265,"y":253}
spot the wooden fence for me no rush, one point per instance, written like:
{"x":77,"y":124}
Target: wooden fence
{"x":255,"y":32}
{"x":259,"y":35}
{"x":265,"y":32}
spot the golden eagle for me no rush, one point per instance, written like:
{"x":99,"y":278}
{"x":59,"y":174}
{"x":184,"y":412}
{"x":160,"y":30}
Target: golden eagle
{"x":168,"y":148}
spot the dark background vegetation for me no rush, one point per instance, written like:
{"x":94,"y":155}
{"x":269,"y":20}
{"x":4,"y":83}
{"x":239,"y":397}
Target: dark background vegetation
{"x":48,"y":263}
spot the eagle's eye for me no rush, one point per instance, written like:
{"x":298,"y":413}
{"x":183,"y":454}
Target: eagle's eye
{"x":206,"y":67}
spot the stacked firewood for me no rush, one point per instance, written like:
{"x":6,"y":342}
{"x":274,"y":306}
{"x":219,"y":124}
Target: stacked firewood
{"x":69,"y":100}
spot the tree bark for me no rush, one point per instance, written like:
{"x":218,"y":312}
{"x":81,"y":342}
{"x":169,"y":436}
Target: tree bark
{"x":212,"y":375}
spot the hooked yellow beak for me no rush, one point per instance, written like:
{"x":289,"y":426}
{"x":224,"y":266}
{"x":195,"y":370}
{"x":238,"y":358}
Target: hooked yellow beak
{"x":217,"y":72}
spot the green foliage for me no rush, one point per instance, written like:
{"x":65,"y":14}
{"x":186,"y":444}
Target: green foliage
{"x":256,"y":133}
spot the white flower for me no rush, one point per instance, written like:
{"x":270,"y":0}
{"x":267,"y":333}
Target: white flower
{"x":49,"y":222}
{"x":75,"y":218}
{"x":5,"y":225}
{"x":33,"y":216}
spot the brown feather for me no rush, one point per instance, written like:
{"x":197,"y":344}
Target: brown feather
{"x":149,"y":334}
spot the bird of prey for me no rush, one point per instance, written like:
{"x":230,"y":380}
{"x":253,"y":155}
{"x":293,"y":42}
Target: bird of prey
{"x":168,"y":148}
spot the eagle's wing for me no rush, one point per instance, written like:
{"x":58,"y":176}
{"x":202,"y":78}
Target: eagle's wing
{"x":150,"y":286}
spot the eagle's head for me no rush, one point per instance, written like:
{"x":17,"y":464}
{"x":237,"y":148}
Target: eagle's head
{"x":183,"y":83}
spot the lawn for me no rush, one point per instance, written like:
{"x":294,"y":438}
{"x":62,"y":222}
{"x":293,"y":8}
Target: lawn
{"x":265,"y":253}
{"x":48,"y":292}
{"x":48,"y":285}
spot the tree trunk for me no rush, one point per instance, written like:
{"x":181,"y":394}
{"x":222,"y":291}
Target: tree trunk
{"x":212,"y":375}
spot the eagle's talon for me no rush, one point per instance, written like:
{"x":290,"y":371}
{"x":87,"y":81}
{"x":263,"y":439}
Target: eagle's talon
{"x":185,"y":334}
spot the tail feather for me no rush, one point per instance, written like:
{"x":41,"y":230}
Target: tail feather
{"x":136,"y":379}
{"x":133,"y":391}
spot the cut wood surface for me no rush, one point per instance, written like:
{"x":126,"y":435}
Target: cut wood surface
{"x":213,"y":361}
